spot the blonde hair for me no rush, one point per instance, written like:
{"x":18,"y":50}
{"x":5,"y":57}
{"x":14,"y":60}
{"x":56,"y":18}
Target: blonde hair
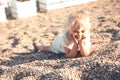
{"x":79,"y":16}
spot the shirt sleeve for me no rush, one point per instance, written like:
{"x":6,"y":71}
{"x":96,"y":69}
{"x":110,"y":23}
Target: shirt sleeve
{"x":66,"y":42}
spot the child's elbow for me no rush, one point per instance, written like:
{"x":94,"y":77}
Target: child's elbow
{"x":86,"y":54}
{"x":69,"y":55}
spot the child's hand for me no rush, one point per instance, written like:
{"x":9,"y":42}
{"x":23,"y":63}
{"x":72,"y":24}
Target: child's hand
{"x":75,"y":39}
{"x":79,"y":38}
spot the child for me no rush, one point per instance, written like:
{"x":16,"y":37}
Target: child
{"x":75,"y":38}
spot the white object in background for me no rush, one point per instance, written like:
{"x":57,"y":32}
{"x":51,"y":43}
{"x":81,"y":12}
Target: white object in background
{"x":23,"y":9}
{"x":56,"y":4}
{"x":5,"y":3}
{"x":2,"y":13}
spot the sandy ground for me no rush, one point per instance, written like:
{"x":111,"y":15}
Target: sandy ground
{"x":19,"y":62}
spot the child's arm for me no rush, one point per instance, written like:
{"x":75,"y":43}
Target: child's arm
{"x":70,"y":53}
{"x":84,"y":45}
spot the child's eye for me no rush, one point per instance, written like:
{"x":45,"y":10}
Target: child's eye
{"x":76,"y":32}
{"x":83,"y":31}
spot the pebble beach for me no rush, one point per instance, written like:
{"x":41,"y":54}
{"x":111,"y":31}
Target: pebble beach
{"x":19,"y":62}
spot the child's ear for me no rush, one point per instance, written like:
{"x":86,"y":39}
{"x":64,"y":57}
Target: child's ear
{"x":70,"y":31}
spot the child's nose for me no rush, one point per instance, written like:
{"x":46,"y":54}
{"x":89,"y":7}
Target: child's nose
{"x":78,"y":32}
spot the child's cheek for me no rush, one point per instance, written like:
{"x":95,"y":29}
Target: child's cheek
{"x":78,"y":36}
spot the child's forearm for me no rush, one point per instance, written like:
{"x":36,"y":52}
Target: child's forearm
{"x":73,"y":52}
{"x":84,"y":50}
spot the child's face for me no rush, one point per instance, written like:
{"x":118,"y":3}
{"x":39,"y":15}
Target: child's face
{"x":77,"y":30}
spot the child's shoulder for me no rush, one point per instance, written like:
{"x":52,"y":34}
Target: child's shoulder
{"x":67,"y":37}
